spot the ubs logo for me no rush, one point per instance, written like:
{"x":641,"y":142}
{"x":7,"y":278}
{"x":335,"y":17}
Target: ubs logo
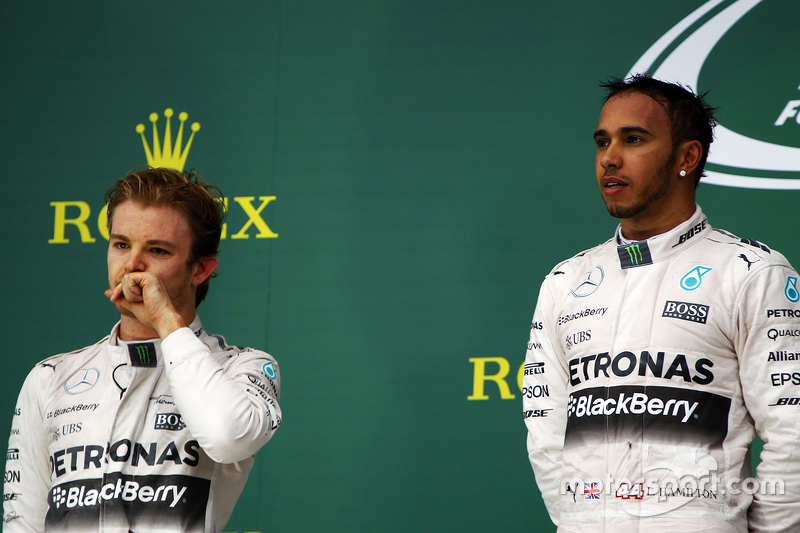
{"x":590,"y":283}
{"x":65,"y":430}
{"x":577,"y":338}
{"x":81,"y":381}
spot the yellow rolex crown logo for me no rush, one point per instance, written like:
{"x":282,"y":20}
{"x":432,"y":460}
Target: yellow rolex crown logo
{"x":167,"y":156}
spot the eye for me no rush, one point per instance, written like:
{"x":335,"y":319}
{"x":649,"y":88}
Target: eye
{"x":601,"y":143}
{"x":159,"y":251}
{"x":633,"y":139}
{"x":119,"y":245}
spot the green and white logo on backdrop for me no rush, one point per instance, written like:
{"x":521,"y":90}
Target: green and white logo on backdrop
{"x":735,"y":159}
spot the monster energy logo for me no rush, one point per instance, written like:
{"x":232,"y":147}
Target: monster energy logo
{"x":143,"y":354}
{"x":633,"y":255}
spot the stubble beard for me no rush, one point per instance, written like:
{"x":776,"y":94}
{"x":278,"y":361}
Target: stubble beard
{"x":655,"y":190}
{"x":124,"y":310}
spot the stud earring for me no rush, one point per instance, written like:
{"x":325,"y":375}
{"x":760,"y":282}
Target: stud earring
{"x":682,"y":173}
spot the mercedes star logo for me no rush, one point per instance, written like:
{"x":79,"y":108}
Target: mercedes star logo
{"x":82,"y":381}
{"x":590,"y":283}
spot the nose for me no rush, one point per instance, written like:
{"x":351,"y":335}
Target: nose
{"x":135,"y":261}
{"x":611,"y":156}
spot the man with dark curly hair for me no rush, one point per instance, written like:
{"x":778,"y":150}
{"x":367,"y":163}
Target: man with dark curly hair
{"x":657,"y":357}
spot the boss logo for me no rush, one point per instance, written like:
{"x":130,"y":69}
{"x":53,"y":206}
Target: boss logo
{"x":169,"y":421}
{"x":686,"y":311}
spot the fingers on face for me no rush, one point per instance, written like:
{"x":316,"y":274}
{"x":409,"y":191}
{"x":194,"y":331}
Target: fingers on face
{"x":114,"y":292}
{"x":127,"y":288}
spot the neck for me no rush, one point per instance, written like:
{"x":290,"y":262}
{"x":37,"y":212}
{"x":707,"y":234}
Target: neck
{"x":643,"y":227}
{"x":131,"y":329}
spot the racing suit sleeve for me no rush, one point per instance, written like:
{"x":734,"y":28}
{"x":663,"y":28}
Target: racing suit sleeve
{"x":231,"y":411}
{"x":27,"y":478}
{"x":545,"y":416}
{"x":767,"y":307}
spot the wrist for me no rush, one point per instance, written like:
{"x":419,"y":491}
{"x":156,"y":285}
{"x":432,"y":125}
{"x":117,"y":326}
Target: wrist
{"x":169,"y":325}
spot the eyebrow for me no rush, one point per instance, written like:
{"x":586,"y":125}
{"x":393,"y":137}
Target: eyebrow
{"x":624,"y":129}
{"x":150,"y":242}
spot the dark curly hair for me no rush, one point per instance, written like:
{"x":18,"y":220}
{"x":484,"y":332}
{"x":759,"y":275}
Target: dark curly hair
{"x":690,"y":117}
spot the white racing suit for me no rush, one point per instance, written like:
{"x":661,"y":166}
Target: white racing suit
{"x":650,"y":369}
{"x":156,"y":436}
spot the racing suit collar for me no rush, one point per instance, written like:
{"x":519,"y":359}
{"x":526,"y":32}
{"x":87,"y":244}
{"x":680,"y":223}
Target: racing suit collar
{"x":665,"y":245}
{"x":145,"y":353}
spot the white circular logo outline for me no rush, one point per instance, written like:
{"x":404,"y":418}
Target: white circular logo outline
{"x":79,"y":383}
{"x":683,"y":65}
{"x":577,"y":293}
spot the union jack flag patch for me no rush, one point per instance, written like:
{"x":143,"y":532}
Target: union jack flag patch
{"x":592,"y":491}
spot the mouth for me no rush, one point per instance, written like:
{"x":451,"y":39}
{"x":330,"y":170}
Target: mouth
{"x":612,"y":184}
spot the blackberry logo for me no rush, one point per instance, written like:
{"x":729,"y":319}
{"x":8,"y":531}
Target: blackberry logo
{"x":624,"y":410}
{"x":59,"y":497}
{"x":636,"y":403}
{"x":144,"y":495}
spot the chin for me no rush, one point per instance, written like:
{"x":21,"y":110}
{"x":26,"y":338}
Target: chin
{"x":613,"y":209}
{"x":124,"y":310}
{"x":624,"y":211}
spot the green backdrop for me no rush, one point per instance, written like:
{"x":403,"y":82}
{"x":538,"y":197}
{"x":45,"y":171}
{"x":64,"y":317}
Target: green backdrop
{"x":429,"y":163}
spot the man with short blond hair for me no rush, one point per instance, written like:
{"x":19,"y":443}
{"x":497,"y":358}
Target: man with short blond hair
{"x":156,"y":426}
